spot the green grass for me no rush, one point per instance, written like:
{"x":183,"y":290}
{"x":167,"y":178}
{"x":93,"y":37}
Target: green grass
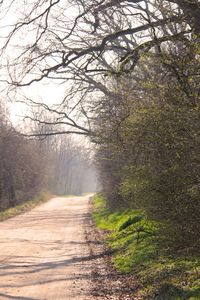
{"x":66,"y":196}
{"x":87,"y":194}
{"x":135,"y":243}
{"x":73,"y":196}
{"x":26,"y":206}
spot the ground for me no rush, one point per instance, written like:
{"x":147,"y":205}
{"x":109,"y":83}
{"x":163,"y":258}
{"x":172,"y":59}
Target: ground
{"x":54,"y":252}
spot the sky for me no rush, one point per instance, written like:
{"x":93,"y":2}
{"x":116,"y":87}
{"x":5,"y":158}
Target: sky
{"x":48,"y":92}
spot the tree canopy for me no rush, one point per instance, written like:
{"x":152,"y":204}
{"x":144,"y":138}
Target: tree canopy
{"x":84,"y":44}
{"x":131,"y":73}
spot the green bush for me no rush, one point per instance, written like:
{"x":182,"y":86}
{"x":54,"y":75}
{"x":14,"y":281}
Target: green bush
{"x":159,"y":275}
{"x":151,"y":159}
{"x":130,"y":221}
{"x":165,"y":181}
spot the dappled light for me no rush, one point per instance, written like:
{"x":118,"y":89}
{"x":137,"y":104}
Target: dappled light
{"x":99,"y":149}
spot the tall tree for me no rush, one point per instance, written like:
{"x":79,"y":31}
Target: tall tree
{"x":78,"y":43}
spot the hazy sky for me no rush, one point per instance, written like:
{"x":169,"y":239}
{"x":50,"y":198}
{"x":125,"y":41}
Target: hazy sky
{"x":46,"y":91}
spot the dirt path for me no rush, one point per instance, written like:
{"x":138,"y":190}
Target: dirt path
{"x":44,"y":253}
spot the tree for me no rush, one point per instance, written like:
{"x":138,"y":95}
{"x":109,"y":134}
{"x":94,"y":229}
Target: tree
{"x":154,"y":152}
{"x":77,"y":43}
{"x":73,"y":170}
{"x":131,"y":70}
{"x":23,"y":165}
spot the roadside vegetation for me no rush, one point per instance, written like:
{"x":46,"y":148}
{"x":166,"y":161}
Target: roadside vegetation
{"x":28,"y":167}
{"x":130,"y":71}
{"x":24,"y":207}
{"x":135,"y":243}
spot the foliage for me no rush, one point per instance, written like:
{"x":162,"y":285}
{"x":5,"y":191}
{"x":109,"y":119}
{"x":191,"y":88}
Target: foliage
{"x":131,"y":73}
{"x":72,"y":170}
{"x":26,"y":206}
{"x":23,"y":165}
{"x":160,"y":275}
{"x":154,"y":148}
{"x":84,"y":45}
{"x":29,"y":166}
{"x":166,"y":180}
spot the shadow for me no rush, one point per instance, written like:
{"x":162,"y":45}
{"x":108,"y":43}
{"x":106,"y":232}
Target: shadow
{"x":102,"y":288}
{"x":169,"y":291}
{"x":56,"y":216}
{"x":30,"y":268}
{"x":55,"y":255}
{"x":16,"y":297}
{"x":56,"y":244}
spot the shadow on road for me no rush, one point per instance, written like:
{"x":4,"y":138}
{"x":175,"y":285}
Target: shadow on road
{"x":6,"y":296}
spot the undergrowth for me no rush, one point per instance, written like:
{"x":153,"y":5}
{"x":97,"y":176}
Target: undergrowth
{"x":26,"y":206}
{"x":134,"y":240}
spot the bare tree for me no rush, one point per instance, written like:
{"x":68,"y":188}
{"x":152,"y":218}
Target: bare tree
{"x":72,"y":168}
{"x":82,"y":44}
{"x":23,"y":165}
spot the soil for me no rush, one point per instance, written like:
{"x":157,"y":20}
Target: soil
{"x":54,"y":252}
{"x":108,"y":283}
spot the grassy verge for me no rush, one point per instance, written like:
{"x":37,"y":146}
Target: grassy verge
{"x":28,"y":205}
{"x":66,"y":196}
{"x":74,"y":196}
{"x":134,"y":241}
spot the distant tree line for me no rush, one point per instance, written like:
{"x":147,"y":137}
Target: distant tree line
{"x":23,"y":165}
{"x":147,"y":122}
{"x":73,"y":171}
{"x":30,"y":166}
{"x":131,"y":71}
{"x":149,"y":142}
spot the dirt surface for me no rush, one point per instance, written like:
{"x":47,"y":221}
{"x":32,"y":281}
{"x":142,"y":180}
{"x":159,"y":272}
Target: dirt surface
{"x":43,"y":252}
{"x":54,"y":253}
{"x":107,"y":282}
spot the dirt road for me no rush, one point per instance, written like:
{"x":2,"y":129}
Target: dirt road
{"x":43,"y":253}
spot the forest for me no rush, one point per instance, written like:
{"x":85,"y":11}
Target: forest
{"x":130,"y":71}
{"x":29,"y":167}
